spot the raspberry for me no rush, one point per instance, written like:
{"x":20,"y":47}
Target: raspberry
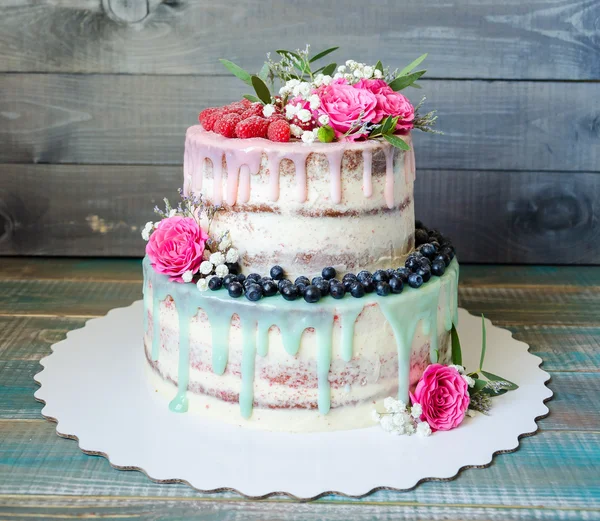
{"x":254,"y":126}
{"x":275,"y":116}
{"x":256,"y":109}
{"x":279,"y":130}
{"x":208,"y":117}
{"x":238,"y":106}
{"x":225,"y":125}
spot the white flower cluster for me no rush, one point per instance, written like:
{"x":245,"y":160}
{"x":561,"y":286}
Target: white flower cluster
{"x":400,"y":419}
{"x":147,"y":230}
{"x":309,"y":136}
{"x":463,"y":373}
{"x":215,"y":263}
{"x":302,"y":89}
{"x":355,"y":71}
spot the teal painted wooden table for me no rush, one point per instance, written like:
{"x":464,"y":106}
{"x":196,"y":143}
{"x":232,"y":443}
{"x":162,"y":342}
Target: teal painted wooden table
{"x":553,"y":475}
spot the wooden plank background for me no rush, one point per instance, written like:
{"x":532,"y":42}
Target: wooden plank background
{"x":95,"y":96}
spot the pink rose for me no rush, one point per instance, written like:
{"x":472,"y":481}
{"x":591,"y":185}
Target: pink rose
{"x":389,"y":103}
{"x":176,"y":246}
{"x":347,"y":108}
{"x":444,"y":397}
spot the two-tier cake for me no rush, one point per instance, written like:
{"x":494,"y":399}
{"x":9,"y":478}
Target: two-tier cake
{"x":291,"y":289}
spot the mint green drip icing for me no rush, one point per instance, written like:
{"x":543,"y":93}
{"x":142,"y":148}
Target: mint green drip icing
{"x":248,"y":359}
{"x":403,"y":312}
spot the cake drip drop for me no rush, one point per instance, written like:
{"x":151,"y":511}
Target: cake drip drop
{"x":243,"y":158}
{"x":404,"y":313}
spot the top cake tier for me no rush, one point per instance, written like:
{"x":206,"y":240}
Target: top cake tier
{"x":304,"y":207}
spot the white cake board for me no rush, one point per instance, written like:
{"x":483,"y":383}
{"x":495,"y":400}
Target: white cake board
{"x":94,"y":386}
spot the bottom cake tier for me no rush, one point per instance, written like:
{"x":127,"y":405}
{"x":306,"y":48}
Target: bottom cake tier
{"x":292,"y":366}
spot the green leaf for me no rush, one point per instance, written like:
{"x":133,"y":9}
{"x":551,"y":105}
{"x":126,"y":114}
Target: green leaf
{"x":326,"y":134}
{"x":412,"y":65}
{"x":379,"y":66}
{"x":396,"y":141}
{"x":496,"y":378}
{"x":389,"y":125}
{"x":264,"y":72}
{"x":295,"y":58}
{"x":415,"y":85}
{"x":401,"y":82}
{"x":283,"y":52}
{"x":456,"y":350}
{"x":262,"y":91}
{"x":479,"y":384}
{"x":237,"y":71}
{"x":483,"y":342}
{"x":320,"y":55}
{"x":251,"y":98}
{"x":328,"y":70}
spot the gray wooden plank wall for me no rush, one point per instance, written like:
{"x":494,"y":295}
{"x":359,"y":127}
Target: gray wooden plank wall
{"x":95,"y":96}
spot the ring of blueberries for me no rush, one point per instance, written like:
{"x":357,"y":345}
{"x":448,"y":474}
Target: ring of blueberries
{"x":433,"y":253}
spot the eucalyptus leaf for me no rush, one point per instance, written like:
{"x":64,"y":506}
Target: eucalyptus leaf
{"x":262,"y":91}
{"x":320,"y":55}
{"x":251,"y":98}
{"x":396,"y":141}
{"x":415,"y":85}
{"x":456,"y":350}
{"x":495,"y":378}
{"x":401,"y":82}
{"x":328,"y":70}
{"x":264,"y":72}
{"x":283,"y":52}
{"x":379,"y":66}
{"x":237,"y":71}
{"x":483,"y":342}
{"x":479,"y":385}
{"x":412,"y":65}
{"x":386,"y":124}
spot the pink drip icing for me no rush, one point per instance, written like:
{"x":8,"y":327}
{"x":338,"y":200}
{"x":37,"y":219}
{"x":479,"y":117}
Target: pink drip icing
{"x":335,"y":171}
{"x":367,"y":171}
{"x":389,"y":177}
{"x":299,"y":160}
{"x":273,"y":165}
{"x":217,"y":163}
{"x":233,"y":173}
{"x":244,"y":193}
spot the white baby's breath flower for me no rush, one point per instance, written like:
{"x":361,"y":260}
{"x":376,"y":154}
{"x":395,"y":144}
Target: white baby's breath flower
{"x":338,"y":75}
{"x":304,"y":115}
{"x":351,"y":64}
{"x":375,"y":416}
{"x":459,"y":368}
{"x":324,"y":119}
{"x":284,"y":91}
{"x":304,"y":89}
{"x":221,"y":270}
{"x":409,"y":428}
{"x":423,"y":429}
{"x":173,"y":212}
{"x":387,"y":423}
{"x":147,"y":230}
{"x":341,"y":68}
{"x":349,"y":77}
{"x":468,"y":379}
{"x":268,"y":110}
{"x":217,"y":258}
{"x":290,"y":84}
{"x":358,"y":73}
{"x":291,"y":110}
{"x":368,"y":71}
{"x":308,"y":136}
{"x":315,"y":101}
{"x":225,"y":243}
{"x":377,"y":74}
{"x":206,"y":267}
{"x":416,"y":410}
{"x":187,"y":276}
{"x":232,"y":255}
{"x":401,"y":419}
{"x":327,"y":79}
{"x":296,"y":130}
{"x":202,"y":284}
{"x":393,"y":405}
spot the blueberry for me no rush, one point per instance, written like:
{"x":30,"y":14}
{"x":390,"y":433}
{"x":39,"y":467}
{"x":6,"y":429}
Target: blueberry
{"x":412,"y":262}
{"x":391,"y":273}
{"x":428,"y":250}
{"x":316,"y":280}
{"x":240,"y":277}
{"x":337,"y":290}
{"x":302,"y":280}
{"x":254,"y":292}
{"x":328,"y":273}
{"x":425,"y":273}
{"x":290,"y":292}
{"x":438,"y":268}
{"x":283,"y":282}
{"x":380,"y":276}
{"x":357,"y":290}
{"x":421,"y":236}
{"x":396,"y":285}
{"x":415,"y":280}
{"x":276,"y":273}
{"x":364,"y":275}
{"x":269,"y":287}
{"x":332,"y":282}
{"x":349,"y":276}
{"x":235,"y":289}
{"x":369,"y":285}
{"x":215,"y":283}
{"x":254,"y":276}
{"x":323,"y":286}
{"x":435,"y":235}
{"x":419,"y":224}
{"x":424,"y":263}
{"x":312,"y":294}
{"x":228,"y":279}
{"x":383,"y":288}
{"x":402,"y":274}
{"x":449,"y":251}
{"x":301,"y":286}
{"x":443,"y":258}
{"x":233,"y":267}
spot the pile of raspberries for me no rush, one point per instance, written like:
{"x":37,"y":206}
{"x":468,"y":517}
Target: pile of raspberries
{"x":244,"y":119}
